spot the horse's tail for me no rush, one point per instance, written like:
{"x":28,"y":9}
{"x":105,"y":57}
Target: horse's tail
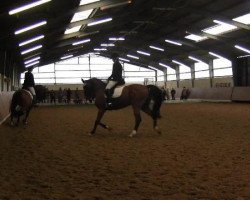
{"x":154,"y":100}
{"x":14,"y":102}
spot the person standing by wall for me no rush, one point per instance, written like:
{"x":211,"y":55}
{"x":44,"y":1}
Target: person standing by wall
{"x":173,"y":92}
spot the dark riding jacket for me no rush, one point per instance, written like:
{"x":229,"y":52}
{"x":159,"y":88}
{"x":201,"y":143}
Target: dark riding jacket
{"x":116,"y":72}
{"x":29,"y":80}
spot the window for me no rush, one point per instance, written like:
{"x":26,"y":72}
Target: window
{"x":222,"y":67}
{"x":201,"y":70}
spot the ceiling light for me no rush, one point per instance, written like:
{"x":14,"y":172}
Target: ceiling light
{"x":173,"y":42}
{"x":31,"y":64}
{"x":31,"y":49}
{"x":215,"y":55}
{"x":143,"y":53}
{"x":179,"y":63}
{"x":123,"y":59}
{"x":30,"y":27}
{"x":28,"y":6}
{"x":195,"y":59}
{"x":32,"y":60}
{"x":116,"y":39}
{"x":131,"y":56}
{"x":100,"y":49}
{"x":107,"y":45}
{"x":156,"y":48}
{"x":153,"y":68}
{"x":65,"y":57}
{"x":81,"y":42}
{"x":242,"y":48}
{"x":31,"y":40}
{"x":245,"y":19}
{"x":163,"y":65}
{"x":196,"y":38}
{"x":99,"y":21}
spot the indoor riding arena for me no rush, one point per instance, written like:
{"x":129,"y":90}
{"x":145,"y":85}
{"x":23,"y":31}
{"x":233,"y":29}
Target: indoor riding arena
{"x":191,"y":56}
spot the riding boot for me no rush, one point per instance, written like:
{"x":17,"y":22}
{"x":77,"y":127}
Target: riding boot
{"x":34,"y":101}
{"x":108,"y":99}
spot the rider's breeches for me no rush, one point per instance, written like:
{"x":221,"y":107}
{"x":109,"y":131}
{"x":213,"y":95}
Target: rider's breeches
{"x":32,"y":91}
{"x":111,"y":84}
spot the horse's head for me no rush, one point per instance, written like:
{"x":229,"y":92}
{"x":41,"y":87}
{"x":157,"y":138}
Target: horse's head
{"x":88,"y":89}
{"x":92,"y":86}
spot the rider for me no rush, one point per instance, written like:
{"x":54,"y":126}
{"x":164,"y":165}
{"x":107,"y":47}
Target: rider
{"x":29,"y":83}
{"x":114,"y":79}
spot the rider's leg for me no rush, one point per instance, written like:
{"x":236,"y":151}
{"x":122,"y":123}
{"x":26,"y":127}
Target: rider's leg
{"x":32,"y":90}
{"x":109,"y":92}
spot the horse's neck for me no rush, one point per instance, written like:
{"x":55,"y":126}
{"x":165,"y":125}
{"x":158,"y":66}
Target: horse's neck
{"x":99,"y":85}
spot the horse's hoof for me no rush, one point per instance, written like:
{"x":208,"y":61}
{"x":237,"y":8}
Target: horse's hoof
{"x":158,"y":130}
{"x":109,"y":128}
{"x":12,"y":123}
{"x":25,"y":123}
{"x":132,"y":134}
{"x":90,"y":134}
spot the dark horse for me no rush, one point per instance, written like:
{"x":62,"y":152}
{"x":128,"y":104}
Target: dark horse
{"x":140,"y":97}
{"x":22,"y":102}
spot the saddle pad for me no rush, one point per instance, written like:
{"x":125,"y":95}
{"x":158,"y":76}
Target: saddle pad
{"x":28,"y":92}
{"x":118,"y":91}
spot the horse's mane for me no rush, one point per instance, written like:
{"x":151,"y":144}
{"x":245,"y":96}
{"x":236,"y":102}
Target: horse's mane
{"x":99,"y":84}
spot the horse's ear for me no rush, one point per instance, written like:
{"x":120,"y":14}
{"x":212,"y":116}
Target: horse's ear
{"x":83,"y":81}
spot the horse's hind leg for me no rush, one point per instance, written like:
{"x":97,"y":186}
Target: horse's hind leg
{"x":154,"y":117}
{"x":137,"y":120}
{"x":26,"y":117}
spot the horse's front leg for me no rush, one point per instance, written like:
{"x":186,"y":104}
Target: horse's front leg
{"x":98,"y":120}
{"x":12,"y":123}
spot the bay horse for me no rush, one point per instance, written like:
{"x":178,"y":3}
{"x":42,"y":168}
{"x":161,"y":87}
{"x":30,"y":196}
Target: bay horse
{"x":140,"y":97}
{"x":21,"y":103}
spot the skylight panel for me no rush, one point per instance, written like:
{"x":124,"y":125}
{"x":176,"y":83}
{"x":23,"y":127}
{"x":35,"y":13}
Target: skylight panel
{"x":72,"y":30}
{"x":100,"y":21}
{"x":27,"y":28}
{"x":31,"y":40}
{"x":84,"y":2}
{"x":245,"y":19}
{"x":156,"y":48}
{"x":195,"y":38}
{"x":31,"y":49}
{"x":28,"y":6}
{"x":220,"y":28}
{"x":81,"y":15}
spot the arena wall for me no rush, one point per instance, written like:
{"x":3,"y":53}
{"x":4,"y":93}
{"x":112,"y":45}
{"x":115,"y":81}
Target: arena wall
{"x":5,"y":100}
